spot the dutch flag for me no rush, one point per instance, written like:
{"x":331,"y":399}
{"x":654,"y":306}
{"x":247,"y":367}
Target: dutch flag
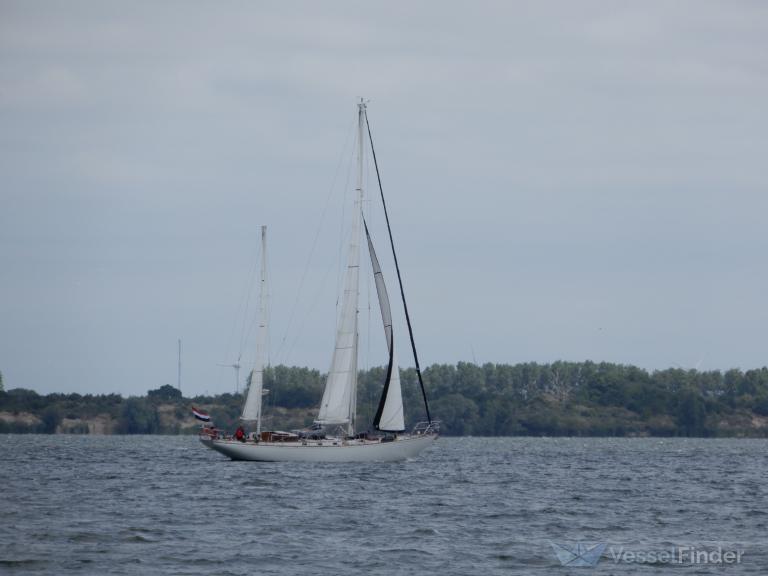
{"x":200,"y":415}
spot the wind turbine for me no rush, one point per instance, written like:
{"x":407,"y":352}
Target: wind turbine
{"x":236,"y":366}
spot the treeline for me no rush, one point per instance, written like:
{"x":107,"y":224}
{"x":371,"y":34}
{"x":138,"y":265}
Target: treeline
{"x":562,"y":398}
{"x":591,"y":399}
{"x":26,"y":411}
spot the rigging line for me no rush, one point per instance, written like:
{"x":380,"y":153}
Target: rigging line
{"x":369,"y":218}
{"x":314,"y":246}
{"x":321,"y":285}
{"x":257,"y":317}
{"x":242,"y":313}
{"x":366,"y":211}
{"x":341,"y":267}
{"x":312,"y":306}
{"x":247,"y":336}
{"x":390,"y":342}
{"x":399,"y":277}
{"x":243,"y":334}
{"x":267,"y":314}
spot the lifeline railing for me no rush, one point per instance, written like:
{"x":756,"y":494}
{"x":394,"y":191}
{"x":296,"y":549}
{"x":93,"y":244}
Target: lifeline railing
{"x":426,"y":428}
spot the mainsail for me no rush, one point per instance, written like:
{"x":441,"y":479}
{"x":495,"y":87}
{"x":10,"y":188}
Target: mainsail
{"x":335,"y":407}
{"x":338,"y":404}
{"x":389,"y":415}
{"x":252,"y":406}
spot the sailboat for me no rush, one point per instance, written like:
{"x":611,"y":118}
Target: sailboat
{"x":333,"y":437}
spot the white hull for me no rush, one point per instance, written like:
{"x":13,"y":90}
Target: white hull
{"x":324,"y":451}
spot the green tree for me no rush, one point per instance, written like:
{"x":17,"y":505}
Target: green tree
{"x":458,"y":414}
{"x":51,"y":418}
{"x":138,"y":417}
{"x":166,"y":393}
{"x":294,"y":387}
{"x":691,"y":413}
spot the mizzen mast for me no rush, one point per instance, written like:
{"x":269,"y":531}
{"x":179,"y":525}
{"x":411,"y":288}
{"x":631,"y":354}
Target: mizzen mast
{"x":253,"y":401}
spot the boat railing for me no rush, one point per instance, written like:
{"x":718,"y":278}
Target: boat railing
{"x":209,"y":432}
{"x":426,"y":428}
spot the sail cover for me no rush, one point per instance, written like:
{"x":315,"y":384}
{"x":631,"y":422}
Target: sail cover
{"x":389,"y":415}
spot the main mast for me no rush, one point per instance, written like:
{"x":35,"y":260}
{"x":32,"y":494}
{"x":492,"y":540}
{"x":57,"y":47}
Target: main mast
{"x":357,"y":235}
{"x":339,"y":404}
{"x":261,"y":338}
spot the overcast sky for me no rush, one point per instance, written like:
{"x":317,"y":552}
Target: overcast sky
{"x":566,"y":180}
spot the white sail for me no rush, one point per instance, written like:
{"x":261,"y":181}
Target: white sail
{"x":252,"y":406}
{"x":338,"y":407}
{"x":338,"y":403}
{"x":389,"y":416}
{"x":392,"y":419}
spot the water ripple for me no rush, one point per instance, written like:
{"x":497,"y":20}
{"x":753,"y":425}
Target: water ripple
{"x":166,"y":505}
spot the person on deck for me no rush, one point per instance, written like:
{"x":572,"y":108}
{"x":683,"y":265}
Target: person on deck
{"x":240,"y":434}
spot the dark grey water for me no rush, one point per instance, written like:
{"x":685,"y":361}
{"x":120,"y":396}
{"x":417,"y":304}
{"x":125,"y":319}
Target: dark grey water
{"x":166,"y":505}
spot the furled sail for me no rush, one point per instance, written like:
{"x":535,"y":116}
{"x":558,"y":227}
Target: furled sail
{"x":389,"y":415}
{"x":252,"y":406}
